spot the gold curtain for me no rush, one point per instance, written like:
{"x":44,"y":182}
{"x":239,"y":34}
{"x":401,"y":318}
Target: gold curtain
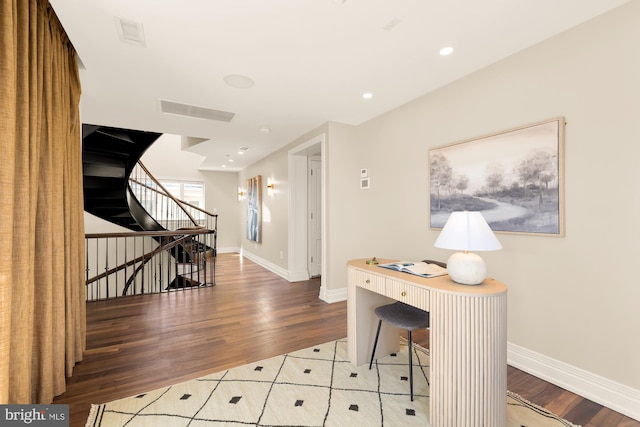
{"x":42,"y":295}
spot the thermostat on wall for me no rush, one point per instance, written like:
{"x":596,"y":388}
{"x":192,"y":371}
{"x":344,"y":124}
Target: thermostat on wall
{"x":363,"y":173}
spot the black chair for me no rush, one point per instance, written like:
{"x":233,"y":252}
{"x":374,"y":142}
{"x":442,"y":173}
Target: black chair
{"x":405,"y":317}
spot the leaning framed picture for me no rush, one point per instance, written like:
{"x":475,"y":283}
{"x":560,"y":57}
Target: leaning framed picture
{"x":514,"y":177}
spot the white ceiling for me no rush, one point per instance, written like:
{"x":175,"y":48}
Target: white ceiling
{"x":310,"y":60}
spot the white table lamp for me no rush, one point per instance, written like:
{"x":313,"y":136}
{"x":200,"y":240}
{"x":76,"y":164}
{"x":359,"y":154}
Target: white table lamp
{"x":467,"y":231}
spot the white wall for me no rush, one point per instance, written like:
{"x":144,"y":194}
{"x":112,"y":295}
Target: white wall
{"x":165,"y":159}
{"x":273,"y":251}
{"x":274,"y":210}
{"x":574,"y":299}
{"x":221,"y":196}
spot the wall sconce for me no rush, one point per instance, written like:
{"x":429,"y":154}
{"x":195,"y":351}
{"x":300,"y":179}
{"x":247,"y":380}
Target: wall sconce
{"x":241,"y":193}
{"x":271,"y":186}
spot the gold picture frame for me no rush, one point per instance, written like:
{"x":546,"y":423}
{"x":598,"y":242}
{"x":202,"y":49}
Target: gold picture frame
{"x":514,"y":177}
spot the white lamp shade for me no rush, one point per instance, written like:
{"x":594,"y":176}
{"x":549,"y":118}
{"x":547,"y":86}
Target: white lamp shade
{"x":467,"y":231}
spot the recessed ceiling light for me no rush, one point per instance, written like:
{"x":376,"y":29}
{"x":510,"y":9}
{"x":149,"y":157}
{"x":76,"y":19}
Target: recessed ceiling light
{"x":265,"y":130}
{"x":238,"y":81}
{"x":224,"y":166}
{"x":367,"y":95}
{"x":243,"y":149}
{"x":446,"y":51}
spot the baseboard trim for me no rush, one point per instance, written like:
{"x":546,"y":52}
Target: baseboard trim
{"x":290,"y":276}
{"x":613,"y":395}
{"x":333,"y":295}
{"x":266,"y":264}
{"x":298,"y":276}
{"x":228,"y":250}
{"x":327,"y":295}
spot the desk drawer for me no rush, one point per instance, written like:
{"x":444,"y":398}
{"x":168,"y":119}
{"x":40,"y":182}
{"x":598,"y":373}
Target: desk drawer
{"x":415,"y":295}
{"x":369,"y":281}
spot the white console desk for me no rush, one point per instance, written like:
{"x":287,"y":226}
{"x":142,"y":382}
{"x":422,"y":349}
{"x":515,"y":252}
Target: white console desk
{"x":467,"y":338}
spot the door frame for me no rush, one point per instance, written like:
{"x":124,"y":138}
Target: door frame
{"x":298,"y":213}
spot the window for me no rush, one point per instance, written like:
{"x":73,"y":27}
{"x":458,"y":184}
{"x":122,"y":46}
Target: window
{"x":191,"y":192}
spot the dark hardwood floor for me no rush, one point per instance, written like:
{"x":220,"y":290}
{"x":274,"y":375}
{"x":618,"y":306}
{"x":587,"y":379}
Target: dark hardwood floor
{"x":145,"y":342}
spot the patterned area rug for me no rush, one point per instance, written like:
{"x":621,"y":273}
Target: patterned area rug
{"x":316,"y":386}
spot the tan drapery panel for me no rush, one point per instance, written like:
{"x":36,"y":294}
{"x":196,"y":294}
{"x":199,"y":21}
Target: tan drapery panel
{"x":42,"y":295}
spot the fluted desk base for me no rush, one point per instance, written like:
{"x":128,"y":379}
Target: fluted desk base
{"x":468,"y":343}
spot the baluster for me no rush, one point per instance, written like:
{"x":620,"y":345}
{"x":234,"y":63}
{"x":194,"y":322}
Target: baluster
{"x":137,"y":254}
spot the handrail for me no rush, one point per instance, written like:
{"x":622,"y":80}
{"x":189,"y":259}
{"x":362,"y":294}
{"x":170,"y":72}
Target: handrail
{"x":182,"y":202}
{"x":198,"y":230}
{"x":166,"y":193}
{"x":166,"y":209}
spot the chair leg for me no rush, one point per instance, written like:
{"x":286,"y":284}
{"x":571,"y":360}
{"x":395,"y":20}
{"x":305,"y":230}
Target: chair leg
{"x":375,"y":343}
{"x":410,"y":364}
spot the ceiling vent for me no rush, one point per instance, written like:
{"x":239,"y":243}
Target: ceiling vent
{"x":131,"y":32}
{"x":170,"y":107}
{"x":391,"y":24}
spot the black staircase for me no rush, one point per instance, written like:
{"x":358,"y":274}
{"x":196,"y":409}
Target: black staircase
{"x":108,"y":156}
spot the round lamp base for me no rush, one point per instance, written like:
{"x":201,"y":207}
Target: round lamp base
{"x":466,"y":268}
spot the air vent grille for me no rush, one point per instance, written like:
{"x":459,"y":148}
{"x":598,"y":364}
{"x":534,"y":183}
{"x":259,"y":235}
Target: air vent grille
{"x":131,"y":32}
{"x":178,"y":109}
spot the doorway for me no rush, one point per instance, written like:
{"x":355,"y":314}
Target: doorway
{"x":307,"y":231}
{"x":315,"y":216}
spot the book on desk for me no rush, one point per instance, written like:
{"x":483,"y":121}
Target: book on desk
{"x":421,"y":269}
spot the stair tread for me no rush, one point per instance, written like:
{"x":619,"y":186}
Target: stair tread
{"x":107,"y":159}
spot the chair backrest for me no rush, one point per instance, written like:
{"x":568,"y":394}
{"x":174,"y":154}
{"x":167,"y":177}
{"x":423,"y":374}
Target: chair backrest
{"x":440,"y":263}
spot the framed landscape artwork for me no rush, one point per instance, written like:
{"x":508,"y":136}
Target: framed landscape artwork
{"x":254,"y":209}
{"x":515,"y":178}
